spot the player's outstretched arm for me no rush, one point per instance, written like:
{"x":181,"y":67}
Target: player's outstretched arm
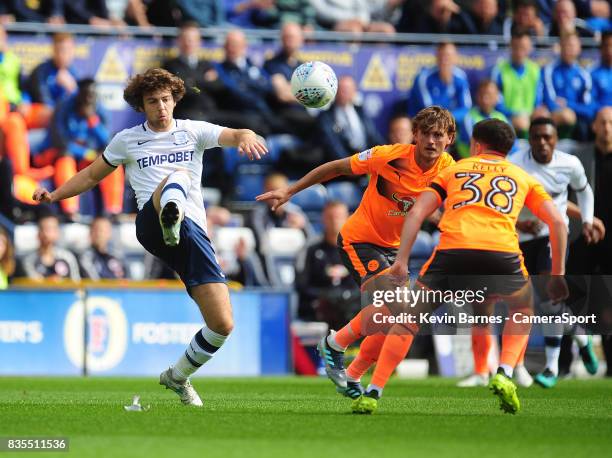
{"x":247,"y":142}
{"x":425,"y":205}
{"x":78,"y":184}
{"x":557,"y":288}
{"x":322,"y":173}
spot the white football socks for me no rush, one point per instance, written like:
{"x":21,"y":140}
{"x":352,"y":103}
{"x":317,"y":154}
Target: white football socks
{"x":508,"y":370}
{"x":582,"y":340}
{"x":552,"y":357}
{"x":202,"y":347}
{"x":331,"y":341}
{"x":176,"y":189}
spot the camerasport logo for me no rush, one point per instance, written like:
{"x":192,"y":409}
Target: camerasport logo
{"x":107,"y":332}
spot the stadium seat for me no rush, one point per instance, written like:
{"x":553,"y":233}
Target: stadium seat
{"x":279,"y":143}
{"x":311,"y":199}
{"x":280,"y":250}
{"x":132,"y":251}
{"x":127,"y":236}
{"x":421,"y":251}
{"x":75,"y":237}
{"x":423,"y":245}
{"x":346,"y":192}
{"x":436,"y":238}
{"x":226,"y":238}
{"x":26,"y":238}
{"x":211,"y":196}
{"x":249,"y":181}
{"x":90,"y":203}
{"x":236,"y":220}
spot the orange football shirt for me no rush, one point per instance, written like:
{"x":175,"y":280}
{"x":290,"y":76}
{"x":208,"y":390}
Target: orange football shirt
{"x":484,"y":195}
{"x":395,"y":182}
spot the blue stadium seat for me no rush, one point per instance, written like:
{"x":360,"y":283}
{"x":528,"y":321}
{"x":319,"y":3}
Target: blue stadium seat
{"x":346,"y":192}
{"x":423,"y":246}
{"x":249,"y":181}
{"x":311,"y":199}
{"x":421,"y":251}
{"x":232,"y":159}
{"x":89,"y":204}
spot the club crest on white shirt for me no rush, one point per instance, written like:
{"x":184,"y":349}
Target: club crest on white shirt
{"x":180,"y":137}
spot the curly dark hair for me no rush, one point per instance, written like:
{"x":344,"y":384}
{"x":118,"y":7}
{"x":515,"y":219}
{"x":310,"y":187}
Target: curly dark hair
{"x":495,"y":134}
{"x":154,"y":79}
{"x":434,"y":117}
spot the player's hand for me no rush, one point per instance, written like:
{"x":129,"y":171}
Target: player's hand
{"x":530,"y":226}
{"x":591,"y":236}
{"x":557,"y":288}
{"x":587,"y":233}
{"x":599,"y":230}
{"x":253,"y":145}
{"x":398,"y":273}
{"x":41,"y":195}
{"x":277,"y":198}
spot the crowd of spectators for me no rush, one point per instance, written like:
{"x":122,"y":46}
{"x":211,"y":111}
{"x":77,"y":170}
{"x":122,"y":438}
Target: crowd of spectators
{"x":482,"y":17}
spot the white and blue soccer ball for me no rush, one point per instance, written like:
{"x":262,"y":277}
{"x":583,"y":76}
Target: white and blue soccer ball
{"x":314,"y":84}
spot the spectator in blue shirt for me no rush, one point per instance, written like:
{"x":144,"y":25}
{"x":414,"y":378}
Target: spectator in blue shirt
{"x":56,"y":78}
{"x":525,"y":18}
{"x":280,"y":67}
{"x":435,"y":16}
{"x":79,"y":124}
{"x":567,"y":90}
{"x":248,"y":87}
{"x":207,"y":13}
{"x":565,"y":21}
{"x":487,"y":97}
{"x":92,"y":12}
{"x":346,"y":128}
{"x":483,"y":18}
{"x":51,"y":11}
{"x":602,"y":76}
{"x":445,"y":85}
{"x":76,"y":136}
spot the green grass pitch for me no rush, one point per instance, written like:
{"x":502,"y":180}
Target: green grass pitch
{"x":303,"y":417}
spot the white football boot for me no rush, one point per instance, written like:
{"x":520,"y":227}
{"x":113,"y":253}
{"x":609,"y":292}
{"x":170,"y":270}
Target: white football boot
{"x":185,"y":389}
{"x":474,"y":380}
{"x":522,"y":376}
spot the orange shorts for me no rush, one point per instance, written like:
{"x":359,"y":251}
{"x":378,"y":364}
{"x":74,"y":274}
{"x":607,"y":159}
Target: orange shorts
{"x":498,"y":273}
{"x":365,"y":260}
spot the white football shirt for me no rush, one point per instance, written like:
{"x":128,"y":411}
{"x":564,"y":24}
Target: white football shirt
{"x":563,"y":171}
{"x":149,"y":157}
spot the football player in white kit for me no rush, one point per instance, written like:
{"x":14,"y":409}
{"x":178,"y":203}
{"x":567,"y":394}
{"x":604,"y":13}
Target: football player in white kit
{"x":163,"y":163}
{"x":557,"y":171}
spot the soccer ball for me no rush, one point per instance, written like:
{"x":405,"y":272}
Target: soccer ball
{"x":314,"y":84}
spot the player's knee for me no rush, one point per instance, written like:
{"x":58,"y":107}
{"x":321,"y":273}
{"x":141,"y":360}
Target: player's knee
{"x":223,"y":326}
{"x":179,"y":171}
